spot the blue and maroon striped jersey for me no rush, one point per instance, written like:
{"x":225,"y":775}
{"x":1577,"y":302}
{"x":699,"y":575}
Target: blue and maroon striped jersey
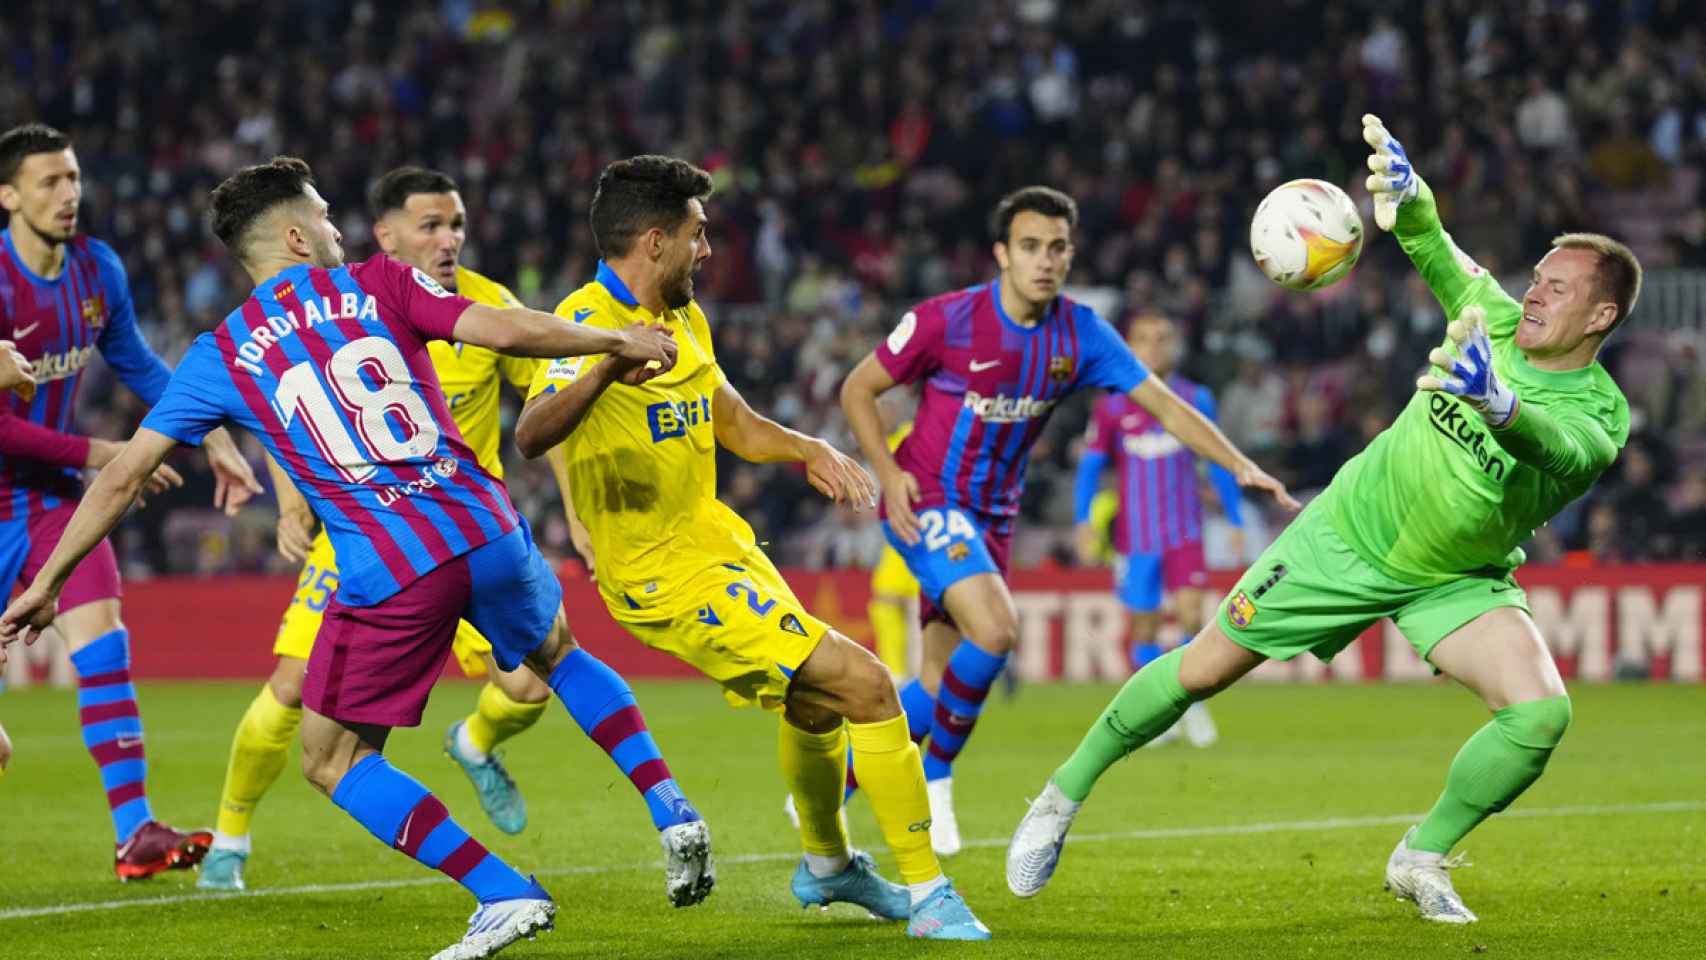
{"x":57,"y":325}
{"x":989,"y":387}
{"x":330,"y":369}
{"x":1160,"y":504}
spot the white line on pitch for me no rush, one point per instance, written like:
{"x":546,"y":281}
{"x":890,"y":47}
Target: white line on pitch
{"x":1158,"y":833}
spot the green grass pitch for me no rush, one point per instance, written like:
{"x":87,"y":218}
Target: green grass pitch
{"x":1269,"y":845}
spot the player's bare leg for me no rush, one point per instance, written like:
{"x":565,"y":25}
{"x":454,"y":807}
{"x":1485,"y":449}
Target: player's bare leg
{"x":842,"y":680}
{"x":1150,"y":702}
{"x":510,"y":702}
{"x":259,"y":748}
{"x":112,"y":732}
{"x":1501,"y":657}
{"x":604,"y":707}
{"x":983,"y":610}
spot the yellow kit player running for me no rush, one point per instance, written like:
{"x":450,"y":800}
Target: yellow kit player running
{"x":681,"y":571}
{"x":419,"y":219}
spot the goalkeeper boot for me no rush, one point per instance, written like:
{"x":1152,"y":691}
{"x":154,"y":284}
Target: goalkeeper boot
{"x":860,"y":883}
{"x":1034,"y":851}
{"x":1420,"y":877}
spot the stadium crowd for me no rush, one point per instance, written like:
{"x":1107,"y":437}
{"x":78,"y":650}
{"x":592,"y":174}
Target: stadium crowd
{"x":858,"y":148}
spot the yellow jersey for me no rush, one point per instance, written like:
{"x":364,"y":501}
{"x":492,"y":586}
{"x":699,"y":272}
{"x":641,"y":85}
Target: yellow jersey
{"x":643,"y":462}
{"x":471,"y":375}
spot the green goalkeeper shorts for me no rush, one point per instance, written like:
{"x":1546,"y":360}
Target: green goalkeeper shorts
{"x":1310,"y":592}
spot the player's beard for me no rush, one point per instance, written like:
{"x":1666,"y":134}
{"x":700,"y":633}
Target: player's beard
{"x":678,"y":292}
{"x":54,"y":237}
{"x":327,"y":254}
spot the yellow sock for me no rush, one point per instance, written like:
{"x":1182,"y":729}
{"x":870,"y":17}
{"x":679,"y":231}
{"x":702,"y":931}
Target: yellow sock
{"x":258,"y":752}
{"x":885,"y":761}
{"x":496,"y":717}
{"x":814,"y":766}
{"x":888,"y":622}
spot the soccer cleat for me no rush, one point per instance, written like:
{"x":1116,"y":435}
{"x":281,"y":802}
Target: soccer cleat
{"x":155,"y":847}
{"x":944,"y":826}
{"x":944,"y":916}
{"x":1198,"y":725}
{"x":860,"y":883}
{"x":689,"y":873}
{"x":492,"y":783}
{"x":500,"y":923}
{"x":1420,"y":877}
{"x":222,"y":870}
{"x":1034,"y":851}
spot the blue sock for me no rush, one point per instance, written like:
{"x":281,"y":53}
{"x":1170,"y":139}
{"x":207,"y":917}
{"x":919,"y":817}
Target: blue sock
{"x":965,"y":684}
{"x":919,"y":706}
{"x":112,"y":729}
{"x":394,"y":807}
{"x":604,"y":706}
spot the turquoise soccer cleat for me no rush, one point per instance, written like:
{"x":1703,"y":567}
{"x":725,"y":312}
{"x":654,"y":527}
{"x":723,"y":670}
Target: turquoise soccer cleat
{"x":222,"y":870}
{"x":498,"y":794}
{"x":860,"y":883}
{"x":944,"y":916}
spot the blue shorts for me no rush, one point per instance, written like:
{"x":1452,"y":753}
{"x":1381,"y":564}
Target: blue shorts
{"x":1137,"y":581}
{"x":952,"y":545}
{"x":515,"y":598}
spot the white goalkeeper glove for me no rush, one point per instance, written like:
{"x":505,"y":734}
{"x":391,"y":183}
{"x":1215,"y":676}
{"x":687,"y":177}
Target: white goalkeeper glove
{"x":1472,"y":378}
{"x":1392,"y":181}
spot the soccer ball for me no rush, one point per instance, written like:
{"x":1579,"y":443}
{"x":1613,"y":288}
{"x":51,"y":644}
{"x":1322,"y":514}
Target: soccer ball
{"x":1306,"y":235}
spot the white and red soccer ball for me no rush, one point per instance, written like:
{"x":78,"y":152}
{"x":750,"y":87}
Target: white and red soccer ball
{"x":1306,"y":235}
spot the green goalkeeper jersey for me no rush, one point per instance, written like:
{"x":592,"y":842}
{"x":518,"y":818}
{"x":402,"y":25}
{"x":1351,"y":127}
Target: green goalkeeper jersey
{"x":1439,"y":494}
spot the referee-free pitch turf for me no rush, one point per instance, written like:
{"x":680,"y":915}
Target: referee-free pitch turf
{"x":1270,"y":844}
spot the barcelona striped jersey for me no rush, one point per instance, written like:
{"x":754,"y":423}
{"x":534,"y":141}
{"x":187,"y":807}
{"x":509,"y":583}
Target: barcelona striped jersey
{"x":989,"y":388}
{"x":330,"y":369}
{"x":1160,"y":506}
{"x":57,"y":325}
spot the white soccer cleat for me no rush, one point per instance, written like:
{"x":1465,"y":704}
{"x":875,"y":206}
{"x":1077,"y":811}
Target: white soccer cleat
{"x":1198,"y":725}
{"x":1034,"y":851}
{"x":1420,"y":877}
{"x":497,"y":925}
{"x":689,"y":873}
{"x":944,"y":826}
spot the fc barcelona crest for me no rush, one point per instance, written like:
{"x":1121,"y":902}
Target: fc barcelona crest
{"x":94,"y":310}
{"x":958,"y":551}
{"x":1060,"y":369}
{"x":1240,"y":610}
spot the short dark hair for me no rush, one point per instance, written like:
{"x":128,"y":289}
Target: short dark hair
{"x":25,"y":140}
{"x":250,"y":192}
{"x":392,"y":191}
{"x":1044,"y":200}
{"x":639,"y":193}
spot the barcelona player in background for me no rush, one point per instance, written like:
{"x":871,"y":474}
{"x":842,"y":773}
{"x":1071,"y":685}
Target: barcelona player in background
{"x":994,"y":360}
{"x":64,"y":296}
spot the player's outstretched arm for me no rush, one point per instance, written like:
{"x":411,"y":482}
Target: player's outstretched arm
{"x":1198,"y":432}
{"x":532,"y":333}
{"x":1569,"y":448}
{"x":234,"y":481}
{"x":756,"y":438}
{"x":115,"y":488}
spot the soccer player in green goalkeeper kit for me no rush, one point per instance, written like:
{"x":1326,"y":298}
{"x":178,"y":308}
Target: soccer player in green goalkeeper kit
{"x":1515,"y":419}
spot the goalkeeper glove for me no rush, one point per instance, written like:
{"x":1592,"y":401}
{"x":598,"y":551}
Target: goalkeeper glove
{"x":1472,"y":378}
{"x":1392,"y":181}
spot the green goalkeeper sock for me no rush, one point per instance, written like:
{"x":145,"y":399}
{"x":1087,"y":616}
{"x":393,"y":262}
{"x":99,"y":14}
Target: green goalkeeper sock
{"x":1145,"y":707}
{"x":1494,"y":767}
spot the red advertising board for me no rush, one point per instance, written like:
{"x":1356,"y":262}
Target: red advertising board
{"x":1602,"y":623}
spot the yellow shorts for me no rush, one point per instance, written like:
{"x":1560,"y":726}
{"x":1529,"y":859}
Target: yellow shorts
{"x":749,"y":632}
{"x":314,"y":590}
{"x":891,"y":576}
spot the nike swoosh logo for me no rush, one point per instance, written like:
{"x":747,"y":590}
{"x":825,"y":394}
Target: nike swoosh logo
{"x":979,"y":367}
{"x":1501,"y":588}
{"x":125,"y":743}
{"x":22,"y":332}
{"x":403,"y":834}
